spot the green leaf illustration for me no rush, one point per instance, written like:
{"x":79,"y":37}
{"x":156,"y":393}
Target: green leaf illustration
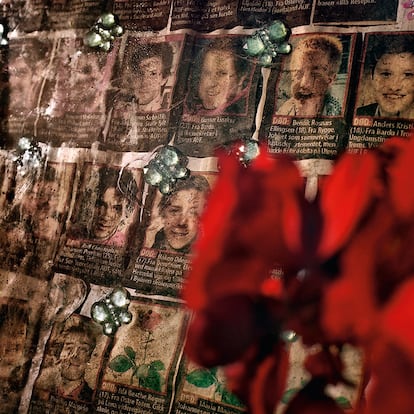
{"x":343,"y":402}
{"x":142,"y":371}
{"x":130,"y":353}
{"x":229,"y":398}
{"x":288,"y":395}
{"x":201,"y":378}
{"x":152,"y":381}
{"x":157,"y":365}
{"x":120,"y":363}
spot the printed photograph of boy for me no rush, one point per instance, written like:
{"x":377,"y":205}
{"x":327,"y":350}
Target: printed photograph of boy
{"x":309,"y":85}
{"x":387,"y":83}
{"x":220,"y":78}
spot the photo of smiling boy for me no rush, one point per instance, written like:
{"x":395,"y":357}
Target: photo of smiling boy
{"x":388,"y":81}
{"x":313,"y":68}
{"x":179,"y":214}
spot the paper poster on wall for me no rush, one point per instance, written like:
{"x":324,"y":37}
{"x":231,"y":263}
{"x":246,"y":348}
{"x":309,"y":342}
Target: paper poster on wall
{"x":21,"y":301}
{"x":170,"y":227}
{"x":385,"y":94}
{"x":28,"y":15}
{"x":33,"y":220}
{"x":74,"y":96}
{"x":74,"y":14}
{"x":141,"y":370}
{"x":103,"y":223}
{"x":142,"y":93}
{"x":69,"y":373}
{"x":220,"y":102}
{"x":27,"y":76}
{"x":309,"y":96}
{"x":204,"y":391}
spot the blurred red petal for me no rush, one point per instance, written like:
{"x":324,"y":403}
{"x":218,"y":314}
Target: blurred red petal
{"x":269,"y":382}
{"x":221,"y":333}
{"x":260,"y":381}
{"x":390,"y":389}
{"x":214,"y":231}
{"x":401,"y":176}
{"x":272,"y":288}
{"x":230,"y":255}
{"x":346,"y":196}
{"x":325,"y":364}
{"x":398,"y":318}
{"x":353,"y":293}
{"x":237,"y":275}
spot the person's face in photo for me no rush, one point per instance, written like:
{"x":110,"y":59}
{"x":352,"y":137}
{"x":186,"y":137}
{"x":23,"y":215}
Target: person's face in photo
{"x":47,"y":226}
{"x":311,"y":75}
{"x":20,"y":79}
{"x":108,"y":213}
{"x":48,"y":196}
{"x":219,"y":83}
{"x":393,"y":81}
{"x":12,"y":343}
{"x":86,"y":82}
{"x":181,"y":217}
{"x":75,"y":355}
{"x":149,"y":81}
{"x":30,"y":201}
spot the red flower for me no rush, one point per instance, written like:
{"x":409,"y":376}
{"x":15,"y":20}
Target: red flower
{"x":259,"y":377}
{"x":221,"y":333}
{"x":148,"y":321}
{"x":377,"y":258}
{"x":252,"y":221}
{"x":347,"y":264}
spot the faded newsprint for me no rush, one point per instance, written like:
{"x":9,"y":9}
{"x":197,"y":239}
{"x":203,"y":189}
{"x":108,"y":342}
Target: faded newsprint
{"x":142,"y":15}
{"x":255,"y":13}
{"x":21,"y":300}
{"x":76,"y":14}
{"x":221,"y":96}
{"x":384,"y":104}
{"x":33,"y":215}
{"x":309,"y":97}
{"x":26,"y":79}
{"x":103,"y":223}
{"x":203,"y":16}
{"x":73,"y":95}
{"x":143,"y":92}
{"x":170,"y":227}
{"x":366,"y":12}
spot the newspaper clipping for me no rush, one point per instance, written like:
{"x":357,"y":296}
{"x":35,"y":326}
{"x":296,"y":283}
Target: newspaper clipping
{"x":142,"y":93}
{"x":20,"y":312}
{"x":33,"y":219}
{"x":28,"y":79}
{"x":74,"y":94}
{"x":221,"y":96}
{"x":310,"y":97}
{"x":203,"y":16}
{"x":103,"y":223}
{"x":385,"y":96}
{"x":171,"y":227}
{"x":355,"y":11}
{"x":76,"y":14}
{"x":254,"y":13}
{"x":142,"y":15}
